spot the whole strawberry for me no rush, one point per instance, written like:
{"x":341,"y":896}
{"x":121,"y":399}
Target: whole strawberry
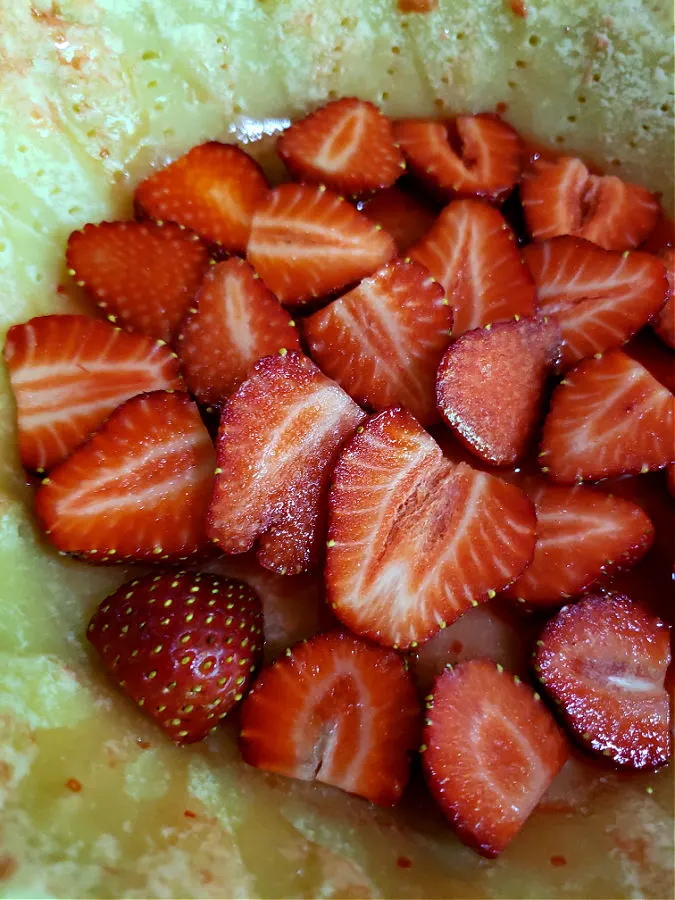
{"x":182,"y":645}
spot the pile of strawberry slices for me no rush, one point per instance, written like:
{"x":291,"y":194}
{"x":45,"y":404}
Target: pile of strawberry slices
{"x":383,"y":341}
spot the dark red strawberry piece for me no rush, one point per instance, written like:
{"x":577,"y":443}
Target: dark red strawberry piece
{"x":278,"y":437}
{"x":471,"y":156}
{"x":143,"y":275}
{"x":68,"y":373}
{"x":600,"y":298}
{"x":414,"y":540}
{"x":401,"y":214}
{"x":307,"y":242}
{"x":490,"y":386}
{"x":348,"y":145}
{"x":662,"y":236}
{"x":671,"y":485}
{"x":664,"y":323}
{"x":139,"y":488}
{"x":562,"y":197}
{"x":182,"y":645}
{"x":235,"y":321}
{"x":603,"y":661}
{"x":337,"y":710}
{"x":608,"y":417}
{"x":472,"y":252}
{"x":293,"y":606}
{"x":383,"y":341}
{"x":582,"y":534}
{"x":491,"y":749}
{"x":213,"y":189}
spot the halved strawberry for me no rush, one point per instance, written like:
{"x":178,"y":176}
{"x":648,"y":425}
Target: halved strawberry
{"x":608,"y":417}
{"x":562,"y":197}
{"x":182,"y":645}
{"x":472,"y":252}
{"x":293,"y":606}
{"x":604,"y":661}
{"x":337,"y":710}
{"x":413,"y":540}
{"x":664,"y":323}
{"x":383,"y":341}
{"x":143,"y":275}
{"x":491,"y":749}
{"x":213,"y":189}
{"x":139,"y":488}
{"x":600,"y":298}
{"x":68,"y":373}
{"x":307,"y":242}
{"x":582,"y":534}
{"x":348,"y":145}
{"x":471,"y":156}
{"x":279,"y":435}
{"x":235,"y":321}
{"x":490,"y":386}
{"x":401,"y":214}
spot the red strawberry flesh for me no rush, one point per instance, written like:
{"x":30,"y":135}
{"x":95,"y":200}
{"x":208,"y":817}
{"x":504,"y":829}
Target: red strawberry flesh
{"x":603,"y":661}
{"x":401,"y":214}
{"x":664,"y":323}
{"x":337,"y":710}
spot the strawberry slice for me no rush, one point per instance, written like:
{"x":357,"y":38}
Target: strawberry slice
{"x":662,"y":235}
{"x":604,"y":661}
{"x":182,"y":645}
{"x":142,"y":275}
{"x":68,"y":373}
{"x":401,"y":214}
{"x":562,"y":197}
{"x":293,"y":606}
{"x":213,"y":189}
{"x":415,"y":540}
{"x":472,"y":252}
{"x":307,"y":242}
{"x":664,"y":323}
{"x":383,"y":341}
{"x":471,"y":156}
{"x":235,"y":321}
{"x":491,"y":749}
{"x":608,"y":417}
{"x":336,"y":710}
{"x":601,"y":299}
{"x":493,"y":369}
{"x":139,"y":488}
{"x":348,"y":145}
{"x":582,"y":534}
{"x":278,"y":437}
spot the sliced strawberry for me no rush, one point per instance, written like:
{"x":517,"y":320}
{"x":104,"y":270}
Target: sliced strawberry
{"x":582,"y":534}
{"x":213,"y":189}
{"x":490,"y":386}
{"x":307,"y":242}
{"x":472,"y":252}
{"x":139,"y":488}
{"x":604,"y":661}
{"x":143,"y":275}
{"x":562,"y":197}
{"x":337,"y":710}
{"x":293,"y":606}
{"x":414,"y":540}
{"x":600,"y":298}
{"x":182,"y":645}
{"x":664,"y":323}
{"x":348,"y":145}
{"x":235,"y":321}
{"x":608,"y":417}
{"x":491,"y":749}
{"x":278,"y":437}
{"x":68,"y":373}
{"x":383,"y":341}
{"x":401,"y":214}
{"x":662,"y":235}
{"x":472,"y":156}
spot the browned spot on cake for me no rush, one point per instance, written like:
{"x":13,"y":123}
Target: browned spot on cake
{"x":501,"y":108}
{"x":8,"y":866}
{"x":518,"y":8}
{"x":403,"y":862}
{"x":558,"y":861}
{"x":74,"y":785}
{"x":417,"y":6}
